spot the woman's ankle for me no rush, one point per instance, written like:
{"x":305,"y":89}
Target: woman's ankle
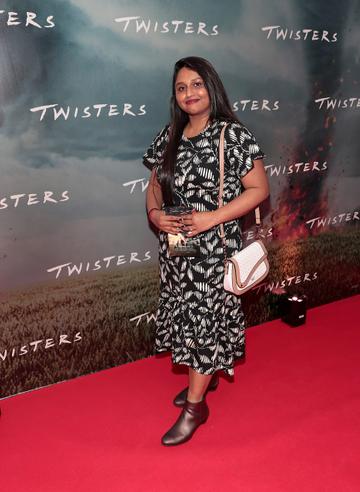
{"x":194,"y":398}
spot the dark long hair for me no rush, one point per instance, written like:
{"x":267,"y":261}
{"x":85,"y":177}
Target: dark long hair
{"x":220,"y":108}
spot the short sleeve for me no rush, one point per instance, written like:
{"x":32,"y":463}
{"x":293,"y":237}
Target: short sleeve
{"x":242,"y":148}
{"x":153,"y":156}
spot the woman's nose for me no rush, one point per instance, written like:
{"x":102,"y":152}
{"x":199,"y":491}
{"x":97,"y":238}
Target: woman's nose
{"x":189,"y":91}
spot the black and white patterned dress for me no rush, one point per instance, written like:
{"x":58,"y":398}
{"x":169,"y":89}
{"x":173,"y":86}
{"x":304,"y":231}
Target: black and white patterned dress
{"x":197,"y":320}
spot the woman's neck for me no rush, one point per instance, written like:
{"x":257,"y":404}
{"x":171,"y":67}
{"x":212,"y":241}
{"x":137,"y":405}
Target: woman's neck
{"x":196,"y":124}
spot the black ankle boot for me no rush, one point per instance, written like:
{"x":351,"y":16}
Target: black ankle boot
{"x":192,"y":415}
{"x":180,"y":398}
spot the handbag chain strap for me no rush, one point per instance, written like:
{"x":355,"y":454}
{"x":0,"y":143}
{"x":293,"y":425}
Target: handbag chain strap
{"x":221,"y":192}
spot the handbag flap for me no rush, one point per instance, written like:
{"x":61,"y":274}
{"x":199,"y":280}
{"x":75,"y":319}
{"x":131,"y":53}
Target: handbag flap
{"x":247,"y":261}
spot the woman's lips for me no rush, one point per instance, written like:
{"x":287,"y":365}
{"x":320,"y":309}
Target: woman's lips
{"x":192,"y":101}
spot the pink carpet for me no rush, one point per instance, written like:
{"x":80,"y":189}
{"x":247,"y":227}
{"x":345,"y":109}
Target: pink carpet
{"x":290,"y":421}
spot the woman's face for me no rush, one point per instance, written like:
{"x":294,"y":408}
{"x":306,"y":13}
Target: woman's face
{"x":191,"y":93}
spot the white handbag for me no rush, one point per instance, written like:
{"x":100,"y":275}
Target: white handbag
{"x":248,"y":267}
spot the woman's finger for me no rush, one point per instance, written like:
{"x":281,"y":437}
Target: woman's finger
{"x":188,"y":220}
{"x":175,"y":230}
{"x":172,"y":223}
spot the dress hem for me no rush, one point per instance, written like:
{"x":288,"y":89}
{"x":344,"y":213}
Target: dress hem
{"x":229,"y":372}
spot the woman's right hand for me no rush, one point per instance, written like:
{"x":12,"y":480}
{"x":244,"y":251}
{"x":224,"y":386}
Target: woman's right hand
{"x":167,"y":223}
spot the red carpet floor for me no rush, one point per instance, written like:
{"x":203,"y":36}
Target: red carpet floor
{"x":290,"y":421}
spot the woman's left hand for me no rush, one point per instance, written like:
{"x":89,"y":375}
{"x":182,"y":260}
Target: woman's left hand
{"x":197,"y":222}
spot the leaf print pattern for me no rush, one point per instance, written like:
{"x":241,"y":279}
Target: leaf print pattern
{"x":197,"y":320}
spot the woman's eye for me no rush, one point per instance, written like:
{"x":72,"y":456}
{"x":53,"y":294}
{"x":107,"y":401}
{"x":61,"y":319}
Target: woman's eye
{"x":198,"y":84}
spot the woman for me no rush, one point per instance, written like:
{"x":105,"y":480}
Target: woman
{"x":197,"y":320}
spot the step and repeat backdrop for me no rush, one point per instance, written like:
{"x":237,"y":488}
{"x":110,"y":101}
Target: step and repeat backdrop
{"x":84,"y":88}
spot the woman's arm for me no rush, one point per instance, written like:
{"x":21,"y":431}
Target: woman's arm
{"x":154,"y":198}
{"x":256,"y":187}
{"x":154,"y":201}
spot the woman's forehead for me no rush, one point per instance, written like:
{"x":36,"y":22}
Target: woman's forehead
{"x":186,"y":75}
